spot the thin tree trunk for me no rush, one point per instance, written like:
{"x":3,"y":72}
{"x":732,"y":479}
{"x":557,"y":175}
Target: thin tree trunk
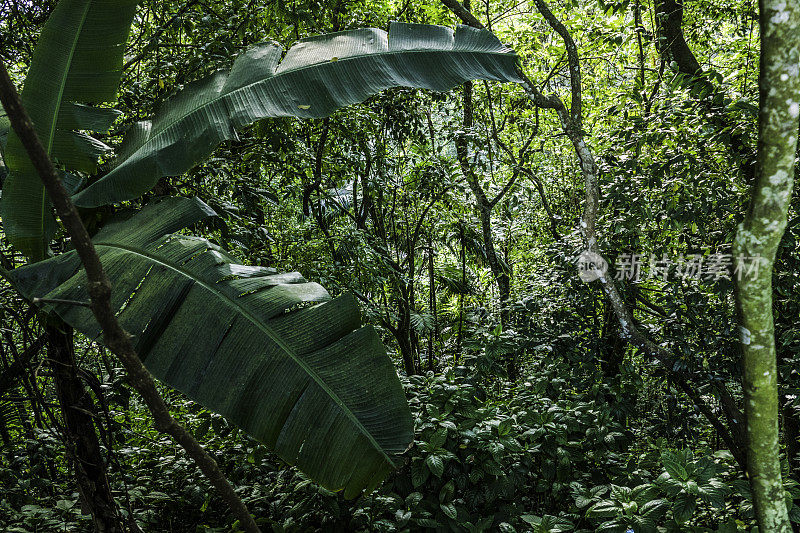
{"x":791,"y":432}
{"x":99,"y":287}
{"x":757,"y":240}
{"x":463,"y":288}
{"x":403,"y":336}
{"x":432,"y":304}
{"x":82,"y":443}
{"x":484,"y":210}
{"x":613,"y":345}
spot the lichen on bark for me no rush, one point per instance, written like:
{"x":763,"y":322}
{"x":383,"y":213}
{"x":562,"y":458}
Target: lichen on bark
{"x":757,"y":239}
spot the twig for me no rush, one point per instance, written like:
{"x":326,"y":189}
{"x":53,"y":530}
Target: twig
{"x":60,"y":301}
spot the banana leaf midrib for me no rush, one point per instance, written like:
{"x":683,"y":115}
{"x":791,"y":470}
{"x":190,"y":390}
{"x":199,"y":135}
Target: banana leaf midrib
{"x":64,"y":77}
{"x":57,"y":108}
{"x":168,"y":128}
{"x":264,"y":328}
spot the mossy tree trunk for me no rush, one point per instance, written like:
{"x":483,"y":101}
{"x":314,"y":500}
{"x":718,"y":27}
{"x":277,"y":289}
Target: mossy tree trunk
{"x":757,"y":240}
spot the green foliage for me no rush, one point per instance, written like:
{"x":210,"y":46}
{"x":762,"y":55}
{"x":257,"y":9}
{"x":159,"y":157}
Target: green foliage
{"x":535,"y":457}
{"x":307,"y":83}
{"x":166,"y":284}
{"x":78,"y":61}
{"x":593,"y":435}
{"x":268,"y":356}
{"x":636,"y":508}
{"x":688,"y":481}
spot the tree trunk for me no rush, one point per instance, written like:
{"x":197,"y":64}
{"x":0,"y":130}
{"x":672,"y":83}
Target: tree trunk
{"x":463,"y":288}
{"x":402,"y":333}
{"x":82,"y":444}
{"x":791,"y":433}
{"x":485,"y":215}
{"x":432,"y":304}
{"x":613,"y":346}
{"x":757,"y":239}
{"x":498,"y":272}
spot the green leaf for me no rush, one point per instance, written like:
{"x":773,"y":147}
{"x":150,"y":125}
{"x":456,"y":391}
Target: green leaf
{"x":504,"y":428}
{"x":427,"y":523}
{"x":674,"y":465}
{"x":654,"y":508}
{"x":435,"y":464}
{"x":419,"y":472}
{"x":401,"y":516}
{"x":446,"y":492}
{"x":65,"y":504}
{"x":683,"y":508}
{"x":449,"y":509}
{"x":78,"y":60}
{"x":605,"y":508}
{"x":413,"y":499}
{"x":270,"y":352}
{"x":438,"y":438}
{"x":316,"y":77}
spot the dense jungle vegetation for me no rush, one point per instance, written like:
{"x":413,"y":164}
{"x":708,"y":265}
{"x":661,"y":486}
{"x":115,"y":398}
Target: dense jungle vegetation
{"x":399,"y":265}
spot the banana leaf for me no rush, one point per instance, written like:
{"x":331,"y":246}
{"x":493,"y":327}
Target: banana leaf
{"x":77,"y":61}
{"x":271,"y":352}
{"x":316,"y":77}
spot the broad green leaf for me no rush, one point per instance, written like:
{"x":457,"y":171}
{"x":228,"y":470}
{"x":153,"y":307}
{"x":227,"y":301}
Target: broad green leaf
{"x":435,"y":464}
{"x":270,"y":352}
{"x":643,"y":524}
{"x":449,"y":509}
{"x":714,"y":492}
{"x":413,"y":499}
{"x":427,"y":523}
{"x":683,"y":508}
{"x":654,"y":508}
{"x":438,"y":438}
{"x":613,"y":526}
{"x":605,"y":508}
{"x":644,"y":493}
{"x":77,"y":61}
{"x":674,"y":465}
{"x":419,"y":472}
{"x":316,"y":77}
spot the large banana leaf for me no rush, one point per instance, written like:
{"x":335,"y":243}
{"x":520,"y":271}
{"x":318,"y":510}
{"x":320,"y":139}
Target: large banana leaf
{"x":77,"y":61}
{"x":271,"y":352}
{"x":318,"y":76}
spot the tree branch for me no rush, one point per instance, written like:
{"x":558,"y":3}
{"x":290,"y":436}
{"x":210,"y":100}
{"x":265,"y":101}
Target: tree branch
{"x":99,"y":288}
